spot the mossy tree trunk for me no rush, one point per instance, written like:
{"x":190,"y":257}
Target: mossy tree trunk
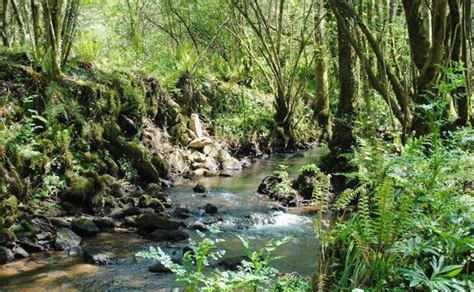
{"x":322,"y":112}
{"x":343,"y":138}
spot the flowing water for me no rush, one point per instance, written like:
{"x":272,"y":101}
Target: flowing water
{"x":241,"y":212}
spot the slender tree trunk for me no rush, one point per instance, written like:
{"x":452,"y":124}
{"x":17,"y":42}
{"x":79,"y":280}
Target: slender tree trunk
{"x":52,"y":10}
{"x":321,"y":109}
{"x":4,"y":30}
{"x":19,"y":19}
{"x":35,"y":16}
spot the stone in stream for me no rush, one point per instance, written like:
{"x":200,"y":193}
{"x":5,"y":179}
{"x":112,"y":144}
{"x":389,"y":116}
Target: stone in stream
{"x":210,"y":209}
{"x":182,"y":212}
{"x":233,"y":263}
{"x":199,"y":188}
{"x":85,"y":227}
{"x":151,"y":222}
{"x":6,"y":255}
{"x":97,"y":258}
{"x":31,"y":247}
{"x":104,"y":223}
{"x":67,"y":239}
{"x":169,"y":235}
{"x":19,"y":253}
{"x":129,"y":211}
{"x":159,"y":268}
{"x":199,"y":226}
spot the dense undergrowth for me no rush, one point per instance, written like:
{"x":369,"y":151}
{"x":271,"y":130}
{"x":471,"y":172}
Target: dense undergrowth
{"x":412,"y":228}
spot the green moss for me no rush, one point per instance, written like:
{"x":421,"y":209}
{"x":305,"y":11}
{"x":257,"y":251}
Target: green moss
{"x":161,"y":165}
{"x":111,"y":132}
{"x":80,"y":191}
{"x":8,"y":212}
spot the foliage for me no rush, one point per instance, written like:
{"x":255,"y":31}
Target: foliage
{"x":413,"y":226}
{"x":252,"y":275}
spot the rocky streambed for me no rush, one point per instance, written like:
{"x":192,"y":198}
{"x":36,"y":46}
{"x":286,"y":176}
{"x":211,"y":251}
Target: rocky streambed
{"x":97,"y":253}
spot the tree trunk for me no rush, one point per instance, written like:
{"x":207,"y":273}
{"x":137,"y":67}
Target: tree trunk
{"x":343,"y":138}
{"x":322,"y":112}
{"x":4,"y":30}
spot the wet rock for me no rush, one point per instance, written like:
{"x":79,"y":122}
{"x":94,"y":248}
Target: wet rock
{"x":151,"y":222}
{"x":31,"y":247}
{"x":126,"y":212}
{"x":159,"y":268}
{"x":276,"y":189}
{"x":169,"y":235}
{"x":146,"y":201}
{"x":166,"y":183}
{"x":182,"y":212}
{"x":200,"y":143}
{"x":75,"y":251}
{"x":231,"y":164}
{"x":246,"y":162}
{"x":6,"y":255}
{"x":210,"y":209}
{"x":199,"y":188}
{"x":67,"y":239}
{"x":85,"y":227}
{"x":267,"y":186}
{"x":60,"y":222}
{"x":97,"y":258}
{"x":104,"y":223}
{"x":233,"y":263}
{"x":310,"y":178}
{"x":199,"y":226}
{"x":20,"y":253}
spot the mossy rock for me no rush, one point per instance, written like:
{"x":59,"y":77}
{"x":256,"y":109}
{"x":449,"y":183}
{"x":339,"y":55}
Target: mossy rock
{"x":8,"y":211}
{"x":80,"y":191}
{"x":111,"y":132}
{"x":6,"y":236}
{"x":147,"y":201}
{"x":161,"y":165}
{"x":84,"y":227}
{"x":137,"y":155}
{"x":307,"y":181}
{"x":112,"y":167}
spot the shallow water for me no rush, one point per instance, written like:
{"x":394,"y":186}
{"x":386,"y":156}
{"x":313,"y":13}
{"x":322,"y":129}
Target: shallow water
{"x":241,"y":212}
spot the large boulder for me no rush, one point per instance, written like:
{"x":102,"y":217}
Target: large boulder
{"x":67,"y":239}
{"x":85,"y":227}
{"x":309,"y":178}
{"x":151,"y":222}
{"x":278,"y":189}
{"x":210,"y":209}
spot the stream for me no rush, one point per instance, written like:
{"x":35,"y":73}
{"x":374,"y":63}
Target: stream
{"x":241,"y":212}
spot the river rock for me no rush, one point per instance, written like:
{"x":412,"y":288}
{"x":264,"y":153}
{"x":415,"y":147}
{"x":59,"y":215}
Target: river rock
{"x":231,"y":164}
{"x":169,"y":235}
{"x":233,"y":263}
{"x":6,"y":236}
{"x":159,"y":268}
{"x":60,"y":222}
{"x":85,"y":227}
{"x":31,"y":247}
{"x":6,"y":255}
{"x":104,"y":223}
{"x":126,"y":212}
{"x":196,"y":126}
{"x":199,"y":226}
{"x":199,"y":143}
{"x":210,"y":209}
{"x":66,"y":239}
{"x":20,"y":253}
{"x":147,"y":201}
{"x":182,"y":212}
{"x":97,"y":258}
{"x":152,"y":222}
{"x":199,"y":188}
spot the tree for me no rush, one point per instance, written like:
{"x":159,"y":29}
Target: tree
{"x":277,"y":32}
{"x":321,"y":109}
